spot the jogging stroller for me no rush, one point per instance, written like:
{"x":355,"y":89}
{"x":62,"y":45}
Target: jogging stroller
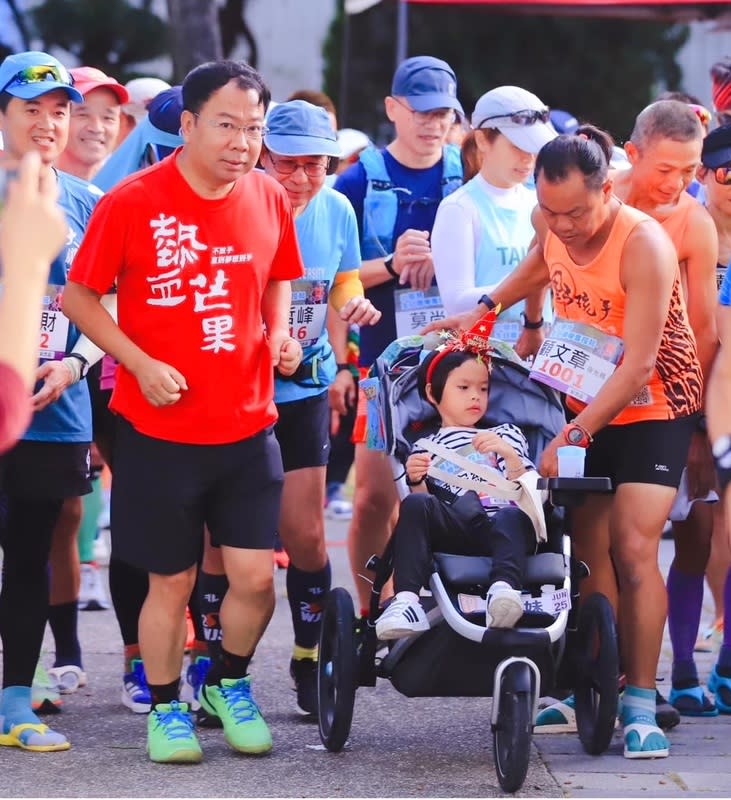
{"x":555,"y":645}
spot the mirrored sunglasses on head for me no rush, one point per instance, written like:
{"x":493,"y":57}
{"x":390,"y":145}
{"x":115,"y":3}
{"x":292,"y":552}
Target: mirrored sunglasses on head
{"x":39,"y":74}
{"x":527,"y":116}
{"x":723,"y":175}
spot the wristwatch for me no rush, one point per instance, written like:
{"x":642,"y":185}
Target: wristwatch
{"x":388,"y":264}
{"x":84,"y":364}
{"x":577,"y":435}
{"x":531,"y":326}
{"x":342,"y":368}
{"x":486,"y":300}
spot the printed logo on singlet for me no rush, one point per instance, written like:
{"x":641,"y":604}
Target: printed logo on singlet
{"x":565,"y":294}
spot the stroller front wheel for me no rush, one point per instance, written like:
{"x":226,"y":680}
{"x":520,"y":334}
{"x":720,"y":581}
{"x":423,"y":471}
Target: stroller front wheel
{"x":336,"y":673}
{"x":597,"y":674}
{"x":511,"y":735}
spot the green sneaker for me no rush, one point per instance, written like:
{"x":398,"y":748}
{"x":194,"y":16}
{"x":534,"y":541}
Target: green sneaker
{"x":243,"y":724}
{"x":170,"y":737}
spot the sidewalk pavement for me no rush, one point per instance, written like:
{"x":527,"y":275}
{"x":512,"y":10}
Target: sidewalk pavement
{"x":399,"y":747}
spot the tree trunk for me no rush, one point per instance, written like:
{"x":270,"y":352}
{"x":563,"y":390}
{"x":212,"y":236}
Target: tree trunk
{"x":196,"y":34}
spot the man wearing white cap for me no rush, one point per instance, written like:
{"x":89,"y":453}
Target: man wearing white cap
{"x":141,"y":92}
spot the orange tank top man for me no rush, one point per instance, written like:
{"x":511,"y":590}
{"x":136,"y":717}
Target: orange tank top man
{"x":623,"y":347}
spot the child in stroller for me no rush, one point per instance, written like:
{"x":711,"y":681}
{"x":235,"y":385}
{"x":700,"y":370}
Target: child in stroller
{"x":555,"y":645}
{"x":441,"y":515}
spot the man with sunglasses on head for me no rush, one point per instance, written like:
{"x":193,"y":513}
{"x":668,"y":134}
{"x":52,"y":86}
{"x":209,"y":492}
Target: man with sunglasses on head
{"x":395,"y":193}
{"x":202,"y":249}
{"x":51,"y":462}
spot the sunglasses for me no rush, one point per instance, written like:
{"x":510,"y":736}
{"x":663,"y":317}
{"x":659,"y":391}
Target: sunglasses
{"x":40,"y":74}
{"x":723,"y":175}
{"x":524,"y":117}
{"x":703,"y":114}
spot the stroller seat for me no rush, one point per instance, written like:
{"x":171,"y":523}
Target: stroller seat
{"x":463,"y":571}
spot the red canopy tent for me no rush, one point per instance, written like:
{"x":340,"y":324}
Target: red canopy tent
{"x":677,"y":10}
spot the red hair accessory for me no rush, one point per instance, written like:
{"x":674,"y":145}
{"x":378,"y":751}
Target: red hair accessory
{"x":721,"y":94}
{"x":476,"y":340}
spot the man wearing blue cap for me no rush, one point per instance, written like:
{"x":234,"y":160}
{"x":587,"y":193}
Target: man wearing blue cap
{"x":51,"y":463}
{"x":395,"y":193}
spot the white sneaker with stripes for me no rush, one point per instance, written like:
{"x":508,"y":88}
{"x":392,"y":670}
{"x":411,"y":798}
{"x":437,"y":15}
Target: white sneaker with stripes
{"x":404,"y":616}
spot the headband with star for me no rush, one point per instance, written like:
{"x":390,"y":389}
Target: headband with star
{"x":476,"y":340}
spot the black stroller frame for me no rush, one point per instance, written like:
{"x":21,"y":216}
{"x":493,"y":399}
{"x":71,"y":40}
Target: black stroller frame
{"x":573,"y":649}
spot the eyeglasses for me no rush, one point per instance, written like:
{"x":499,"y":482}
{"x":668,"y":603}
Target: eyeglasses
{"x":703,"y":114}
{"x":723,"y":175}
{"x":527,"y":116}
{"x":288,"y":166}
{"x":254,"y":133}
{"x":444,"y":116}
{"x":39,"y":74}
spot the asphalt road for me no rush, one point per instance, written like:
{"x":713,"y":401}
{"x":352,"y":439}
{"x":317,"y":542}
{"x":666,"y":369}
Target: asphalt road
{"x":399,"y":747}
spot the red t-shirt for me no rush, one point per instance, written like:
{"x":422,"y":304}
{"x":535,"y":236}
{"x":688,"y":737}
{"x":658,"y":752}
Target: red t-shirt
{"x":190,"y":277}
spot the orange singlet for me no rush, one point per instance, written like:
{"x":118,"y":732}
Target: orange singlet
{"x":593,"y":294}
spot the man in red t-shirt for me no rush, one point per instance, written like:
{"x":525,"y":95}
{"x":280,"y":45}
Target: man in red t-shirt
{"x":202,"y":251}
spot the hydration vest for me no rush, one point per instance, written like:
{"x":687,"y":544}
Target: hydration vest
{"x":381,"y":201}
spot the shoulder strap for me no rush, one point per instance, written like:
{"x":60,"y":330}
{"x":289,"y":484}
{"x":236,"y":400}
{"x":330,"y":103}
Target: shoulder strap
{"x":523,"y":491}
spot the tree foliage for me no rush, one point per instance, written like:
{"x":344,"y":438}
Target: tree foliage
{"x":601,"y":70}
{"x":110,"y":35}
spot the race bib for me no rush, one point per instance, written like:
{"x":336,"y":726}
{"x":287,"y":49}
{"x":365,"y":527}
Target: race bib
{"x":308,"y":311}
{"x":508,"y":331}
{"x":577,"y":359}
{"x":416,"y":308}
{"x":720,"y":275}
{"x":550,"y":603}
{"x":54,"y":331}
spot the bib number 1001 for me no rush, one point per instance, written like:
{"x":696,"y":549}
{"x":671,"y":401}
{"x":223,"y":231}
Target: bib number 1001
{"x":562,"y":372}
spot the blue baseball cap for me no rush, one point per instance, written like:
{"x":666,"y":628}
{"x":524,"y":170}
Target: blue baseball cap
{"x":717,"y":148}
{"x":299,"y":128}
{"x":563,"y":121}
{"x":427,"y":83}
{"x":29,"y":75}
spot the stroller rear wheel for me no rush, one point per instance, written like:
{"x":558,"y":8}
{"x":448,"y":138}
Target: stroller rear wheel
{"x":511,"y":735}
{"x":336,"y":679}
{"x":597,"y":674}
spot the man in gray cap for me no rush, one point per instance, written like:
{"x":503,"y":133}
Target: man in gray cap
{"x":395,"y":193}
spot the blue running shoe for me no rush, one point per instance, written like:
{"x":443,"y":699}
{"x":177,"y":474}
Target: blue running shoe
{"x":135,"y":692}
{"x":721,"y":687}
{"x":195,"y":677}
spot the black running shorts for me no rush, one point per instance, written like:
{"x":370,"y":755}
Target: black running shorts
{"x":46,"y":470}
{"x":164,"y":492}
{"x":654,"y":451}
{"x":303,"y":432}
